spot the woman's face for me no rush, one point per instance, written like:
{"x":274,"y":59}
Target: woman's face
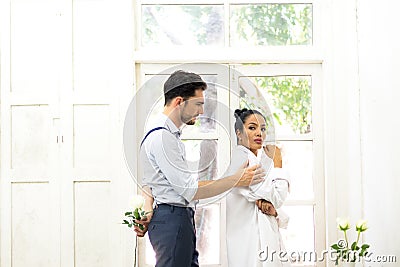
{"x":254,"y":132}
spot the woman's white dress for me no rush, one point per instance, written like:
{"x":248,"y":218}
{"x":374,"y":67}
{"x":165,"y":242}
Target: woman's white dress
{"x":249,"y":231}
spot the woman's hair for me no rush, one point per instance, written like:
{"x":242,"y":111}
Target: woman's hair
{"x":183,"y":84}
{"x":241,"y":117}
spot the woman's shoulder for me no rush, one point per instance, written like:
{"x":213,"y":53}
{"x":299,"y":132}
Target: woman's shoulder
{"x":238,"y":157}
{"x":240,"y":152}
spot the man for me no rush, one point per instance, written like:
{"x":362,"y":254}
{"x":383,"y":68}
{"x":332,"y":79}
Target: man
{"x":168,"y":181}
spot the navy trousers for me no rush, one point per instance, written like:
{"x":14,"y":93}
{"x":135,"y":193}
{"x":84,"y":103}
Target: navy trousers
{"x":172,"y":235}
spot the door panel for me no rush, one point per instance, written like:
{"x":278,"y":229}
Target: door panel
{"x":33,"y":224}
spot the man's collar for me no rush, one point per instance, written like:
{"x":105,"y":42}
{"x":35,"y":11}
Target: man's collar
{"x":170,"y":125}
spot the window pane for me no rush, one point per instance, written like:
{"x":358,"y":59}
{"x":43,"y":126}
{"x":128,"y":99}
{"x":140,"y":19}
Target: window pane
{"x":299,"y":236}
{"x":208,"y":233}
{"x":297,"y":157}
{"x":151,"y":101}
{"x":271,"y":24}
{"x":206,"y":122}
{"x":197,"y":25}
{"x":202,"y":157}
{"x":289,"y":98}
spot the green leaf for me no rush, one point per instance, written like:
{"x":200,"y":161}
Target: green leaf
{"x":276,"y":116}
{"x":128,"y":213}
{"x":365,"y":246}
{"x":354,"y":246}
{"x":335,"y":246}
{"x":125,"y":222}
{"x":136,"y":214}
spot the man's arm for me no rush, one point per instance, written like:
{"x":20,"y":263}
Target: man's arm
{"x":176,"y":170}
{"x":148,"y":208}
{"x":243,"y":177}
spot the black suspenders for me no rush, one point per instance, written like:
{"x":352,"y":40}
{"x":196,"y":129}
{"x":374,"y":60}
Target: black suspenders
{"x":149,"y":132}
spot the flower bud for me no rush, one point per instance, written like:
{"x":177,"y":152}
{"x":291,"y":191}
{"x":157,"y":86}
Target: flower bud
{"x":343,"y":224}
{"x":361,"y":225}
{"x":138,"y":202}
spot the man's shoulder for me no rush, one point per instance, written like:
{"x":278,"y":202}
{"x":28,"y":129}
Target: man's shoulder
{"x":156,"y":121}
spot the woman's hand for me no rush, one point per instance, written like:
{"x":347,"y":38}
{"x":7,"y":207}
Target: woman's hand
{"x":275,"y":154}
{"x":266,"y":207}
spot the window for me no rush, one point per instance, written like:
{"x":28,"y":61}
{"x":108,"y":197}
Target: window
{"x":275,"y":44}
{"x":230,"y":25}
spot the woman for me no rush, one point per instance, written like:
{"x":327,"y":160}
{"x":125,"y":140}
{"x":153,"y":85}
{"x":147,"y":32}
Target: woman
{"x":253,"y":215}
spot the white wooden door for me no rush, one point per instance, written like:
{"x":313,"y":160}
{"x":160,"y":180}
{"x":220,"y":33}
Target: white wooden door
{"x":30,"y":185}
{"x":64,"y":185}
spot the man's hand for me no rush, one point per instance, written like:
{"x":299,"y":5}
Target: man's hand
{"x":250,"y":175}
{"x":145,"y":223}
{"x":275,"y":154}
{"x":266,"y":207}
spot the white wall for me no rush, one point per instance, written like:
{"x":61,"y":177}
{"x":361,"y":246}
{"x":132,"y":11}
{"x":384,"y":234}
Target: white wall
{"x":362,"y":92}
{"x":379,"y":60}
{"x":362,"y":95}
{"x":342,"y":125}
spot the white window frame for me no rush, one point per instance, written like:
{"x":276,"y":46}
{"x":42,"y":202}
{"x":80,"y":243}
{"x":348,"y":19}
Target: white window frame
{"x":316,"y":136}
{"x":294,"y":56}
{"x":226,"y":54}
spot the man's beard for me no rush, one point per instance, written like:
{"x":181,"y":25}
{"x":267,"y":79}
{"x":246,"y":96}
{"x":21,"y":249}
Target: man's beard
{"x":191,"y":122}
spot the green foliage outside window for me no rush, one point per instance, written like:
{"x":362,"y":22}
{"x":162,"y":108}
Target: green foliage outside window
{"x":291,"y":97}
{"x":256,"y":24}
{"x":273,"y":24}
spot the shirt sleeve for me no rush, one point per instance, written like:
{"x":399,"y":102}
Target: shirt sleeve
{"x":172,"y":163}
{"x":275,"y":187}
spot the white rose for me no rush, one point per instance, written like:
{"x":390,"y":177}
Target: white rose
{"x":138,"y":202}
{"x":361,"y":225}
{"x":343,"y":224}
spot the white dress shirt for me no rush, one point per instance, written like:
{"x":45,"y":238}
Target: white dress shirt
{"x":165,"y":169}
{"x":248,"y":230}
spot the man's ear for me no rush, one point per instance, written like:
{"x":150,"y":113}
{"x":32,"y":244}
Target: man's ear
{"x":177,"y":101}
